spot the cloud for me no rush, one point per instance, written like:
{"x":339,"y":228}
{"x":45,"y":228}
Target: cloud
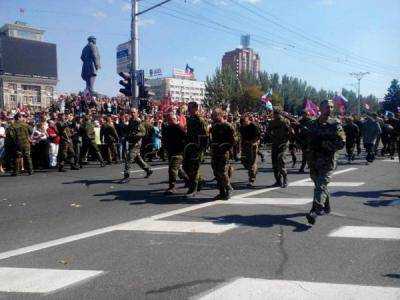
{"x":252,"y":1}
{"x":99,"y":15}
{"x":146,"y":22}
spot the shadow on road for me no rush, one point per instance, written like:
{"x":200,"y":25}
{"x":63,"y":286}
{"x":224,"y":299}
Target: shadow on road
{"x":148,"y":196}
{"x":394,"y":276}
{"x":184,"y":285}
{"x":263,"y":221}
{"x":367,"y":194}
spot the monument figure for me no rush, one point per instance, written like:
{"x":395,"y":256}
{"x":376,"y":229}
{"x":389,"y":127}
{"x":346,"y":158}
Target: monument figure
{"x":91,"y":64}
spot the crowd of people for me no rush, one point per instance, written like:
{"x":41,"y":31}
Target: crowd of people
{"x":109,"y":132}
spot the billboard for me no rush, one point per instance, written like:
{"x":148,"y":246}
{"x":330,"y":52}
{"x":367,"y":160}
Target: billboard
{"x":27,"y":58}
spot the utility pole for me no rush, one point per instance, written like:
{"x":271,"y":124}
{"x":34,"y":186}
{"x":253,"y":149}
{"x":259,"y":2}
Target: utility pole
{"x":134,"y":51}
{"x":135,"y":46}
{"x":359,"y":76}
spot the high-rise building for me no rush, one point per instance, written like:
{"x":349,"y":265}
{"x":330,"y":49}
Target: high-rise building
{"x":242,"y":59}
{"x":28,"y":68}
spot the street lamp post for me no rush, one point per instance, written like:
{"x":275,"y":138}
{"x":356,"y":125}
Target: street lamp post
{"x":359,"y":76}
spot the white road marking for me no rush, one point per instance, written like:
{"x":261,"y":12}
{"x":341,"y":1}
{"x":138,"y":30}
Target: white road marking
{"x":396,"y":159}
{"x":24,"y":280}
{"x":270,"y":201}
{"x":335,"y":184}
{"x":367,"y":232}
{"x":103,"y":230}
{"x":140,"y":170}
{"x":262,"y":191}
{"x":179,"y":226}
{"x":261,"y":289}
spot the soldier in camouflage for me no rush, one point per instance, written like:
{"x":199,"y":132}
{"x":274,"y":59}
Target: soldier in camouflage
{"x":174,"y":140}
{"x":222,"y":141}
{"x":302,"y":134}
{"x":135,"y":131}
{"x":19,"y":133}
{"x":326,"y":137}
{"x":280,"y":131}
{"x":250,"y":135}
{"x":197,"y":138}
{"x":66,"y":151}
{"x":88,"y":140}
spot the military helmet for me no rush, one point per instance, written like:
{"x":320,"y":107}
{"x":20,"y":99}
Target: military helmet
{"x":91,"y":38}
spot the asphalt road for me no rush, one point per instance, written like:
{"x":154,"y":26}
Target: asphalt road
{"x":84,"y":235}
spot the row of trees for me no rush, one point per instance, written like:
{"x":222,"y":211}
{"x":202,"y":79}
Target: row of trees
{"x":392,"y":97}
{"x":242,"y":94}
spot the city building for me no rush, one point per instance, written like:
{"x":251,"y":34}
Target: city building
{"x":181,"y":87}
{"x":28,"y":68}
{"x":242,"y":59}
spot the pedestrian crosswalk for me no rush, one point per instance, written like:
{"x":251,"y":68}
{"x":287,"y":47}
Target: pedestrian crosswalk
{"x":29,"y":280}
{"x":260,"y":289}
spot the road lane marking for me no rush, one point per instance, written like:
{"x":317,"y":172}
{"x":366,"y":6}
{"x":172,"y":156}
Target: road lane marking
{"x":72,"y":238}
{"x":262,"y":191}
{"x":261,"y":289}
{"x":367,"y":232}
{"x":179,"y":226}
{"x":334,"y":184}
{"x":396,"y":159}
{"x":28,"y":280}
{"x":270,"y":201}
{"x":96,"y":232}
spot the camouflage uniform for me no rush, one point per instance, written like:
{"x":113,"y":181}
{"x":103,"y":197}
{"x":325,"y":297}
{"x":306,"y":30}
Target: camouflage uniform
{"x":194,"y":151}
{"x":174,"y":139}
{"x":89,"y":142}
{"x":280,"y":130}
{"x":20,"y":145}
{"x":302,"y":136}
{"x":250,"y":138}
{"x":110,"y":137}
{"x":352,"y":132}
{"x":223,"y":138}
{"x":66,"y":151}
{"x":325,"y":140}
{"x":134,"y":134}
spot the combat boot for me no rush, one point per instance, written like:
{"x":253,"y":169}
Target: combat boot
{"x":171,"y":191}
{"x":126,"y":175}
{"x":200,"y":185}
{"x":284,"y":183}
{"x":148,"y":172}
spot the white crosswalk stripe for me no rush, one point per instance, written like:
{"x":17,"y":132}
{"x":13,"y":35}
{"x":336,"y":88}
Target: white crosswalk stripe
{"x":333,"y":184}
{"x":367,"y":232}
{"x":27,"y":280}
{"x":260,"y":289}
{"x":269,"y":201}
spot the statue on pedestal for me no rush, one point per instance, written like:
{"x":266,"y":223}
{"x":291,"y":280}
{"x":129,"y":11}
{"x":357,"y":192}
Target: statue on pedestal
{"x":91,"y":64}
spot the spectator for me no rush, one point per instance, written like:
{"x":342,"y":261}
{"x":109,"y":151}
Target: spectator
{"x":2,"y":146}
{"x":54,"y":142}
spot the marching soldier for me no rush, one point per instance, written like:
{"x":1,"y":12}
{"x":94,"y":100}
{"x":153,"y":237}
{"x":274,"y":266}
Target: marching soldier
{"x":352,"y":132}
{"x":280,"y":131}
{"x":66,"y":151}
{"x":250,"y":135}
{"x":174,"y":140}
{"x":197,"y":142}
{"x":19,"y":133}
{"x":89,"y":142}
{"x":134,"y":134}
{"x":302,"y":136}
{"x":222,"y":141}
{"x":109,"y":134}
{"x":326,"y":137}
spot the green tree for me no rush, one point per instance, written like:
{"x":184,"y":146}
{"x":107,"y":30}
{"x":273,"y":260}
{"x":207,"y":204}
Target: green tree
{"x":392,"y":97}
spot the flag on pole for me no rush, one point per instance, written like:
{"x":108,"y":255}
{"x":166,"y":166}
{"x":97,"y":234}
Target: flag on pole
{"x":311,"y":108}
{"x":340,"y":102}
{"x":266,"y":100}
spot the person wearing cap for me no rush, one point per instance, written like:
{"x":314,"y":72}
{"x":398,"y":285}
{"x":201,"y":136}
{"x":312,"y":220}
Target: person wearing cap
{"x":20,"y":134}
{"x":91,"y":63}
{"x":91,"y":140}
{"x":280,"y":131}
{"x":352,"y":131}
{"x":326,"y":137}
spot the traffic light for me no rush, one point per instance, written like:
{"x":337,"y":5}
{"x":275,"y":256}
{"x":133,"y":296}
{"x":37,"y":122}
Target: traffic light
{"x":126,"y":83}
